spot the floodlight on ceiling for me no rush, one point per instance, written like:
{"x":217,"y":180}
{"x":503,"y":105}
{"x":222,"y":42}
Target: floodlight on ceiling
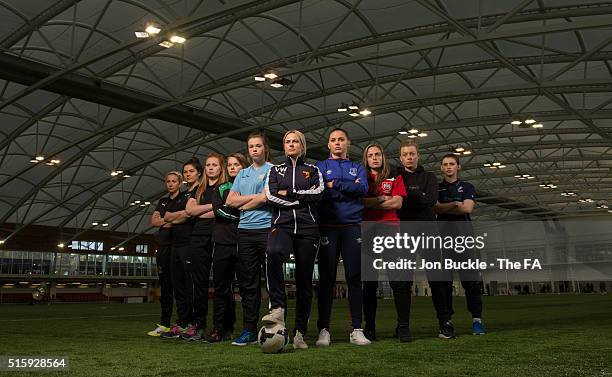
{"x":149,"y":31}
{"x":460,"y":150}
{"x":524,"y":176}
{"x":494,"y":165}
{"x":548,"y":185}
{"x":413,"y":131}
{"x":537,"y":125}
{"x":152,"y":30}
{"x":95,"y":223}
{"x":516,"y":122}
{"x":177,"y":39}
{"x":280,"y":82}
{"x":166,"y":44}
{"x":402,"y":132}
{"x":271,"y":75}
{"x":530,"y":120}
{"x":354,"y":109}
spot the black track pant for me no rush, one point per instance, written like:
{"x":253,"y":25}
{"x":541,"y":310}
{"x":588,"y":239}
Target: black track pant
{"x":181,"y":282}
{"x":402,"y":294}
{"x":165,"y":282}
{"x":399,"y":280}
{"x":281,"y":243}
{"x":252,"y":244}
{"x":225,"y":265}
{"x":200,"y":261}
{"x":441,"y":283}
{"x":345,"y":241}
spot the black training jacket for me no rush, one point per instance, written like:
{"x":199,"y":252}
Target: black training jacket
{"x":297,"y":211}
{"x":422,"y":189}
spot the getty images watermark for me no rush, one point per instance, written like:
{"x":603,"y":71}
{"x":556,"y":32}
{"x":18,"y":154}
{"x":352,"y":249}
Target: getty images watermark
{"x":404,"y":242}
{"x":506,"y":251}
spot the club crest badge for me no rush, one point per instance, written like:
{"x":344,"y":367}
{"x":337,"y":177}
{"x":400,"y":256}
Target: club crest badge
{"x":386,"y":186}
{"x":353,"y":172}
{"x":305,"y":174}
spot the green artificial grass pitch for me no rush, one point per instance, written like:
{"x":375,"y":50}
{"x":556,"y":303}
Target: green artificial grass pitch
{"x":542,"y":335}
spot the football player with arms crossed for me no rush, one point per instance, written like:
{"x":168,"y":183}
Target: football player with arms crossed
{"x":247,"y":194}
{"x":293,"y":189}
{"x":173,"y":180}
{"x":385,"y":197}
{"x":456,"y":201}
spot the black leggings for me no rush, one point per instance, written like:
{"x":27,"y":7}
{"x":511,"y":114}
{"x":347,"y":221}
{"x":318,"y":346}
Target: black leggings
{"x":225,"y":265}
{"x":164,"y":263}
{"x":181,"y":282}
{"x":199,"y":264}
{"x":335,"y":242}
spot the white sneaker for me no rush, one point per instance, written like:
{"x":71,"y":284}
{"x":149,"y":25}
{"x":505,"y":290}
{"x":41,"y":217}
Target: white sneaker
{"x":358,"y":338}
{"x":324,"y":339}
{"x":158,"y":330}
{"x":275,"y":317}
{"x":298,"y":341}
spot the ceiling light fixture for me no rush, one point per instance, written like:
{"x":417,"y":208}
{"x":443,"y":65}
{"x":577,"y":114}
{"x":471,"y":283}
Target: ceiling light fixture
{"x":177,"y":39}
{"x":460,"y":150}
{"x":494,"y":165}
{"x":280,"y":82}
{"x":153,"y":30}
{"x":270,"y":75}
